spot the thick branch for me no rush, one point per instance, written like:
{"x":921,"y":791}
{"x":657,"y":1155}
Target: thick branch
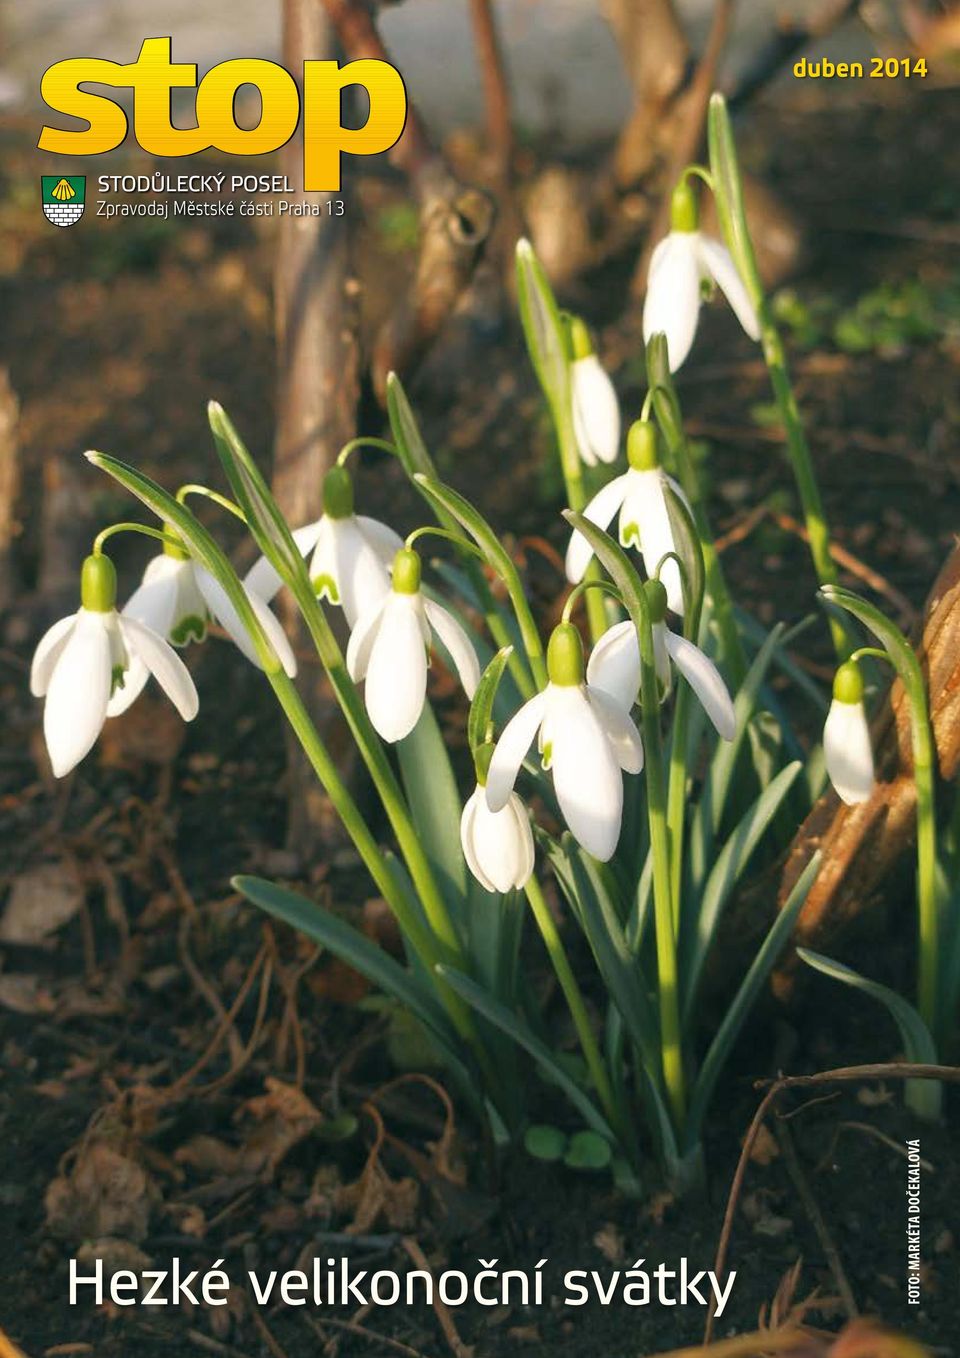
{"x":455,"y":220}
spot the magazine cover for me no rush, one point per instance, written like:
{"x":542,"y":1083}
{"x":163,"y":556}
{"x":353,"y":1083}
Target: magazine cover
{"x":480,"y":678}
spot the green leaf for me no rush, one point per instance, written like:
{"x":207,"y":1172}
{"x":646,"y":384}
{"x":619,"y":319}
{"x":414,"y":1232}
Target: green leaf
{"x":266,"y":522}
{"x":708,"y":815}
{"x":588,"y":1151}
{"x":508,"y":1022}
{"x":481,"y":708}
{"x":756,"y":977}
{"x":545,"y":1143}
{"x":355,"y":949}
{"x":201,"y":546}
{"x":700,"y":927}
{"x":435,"y":806}
{"x":918,"y":1044}
{"x":728,"y":195}
{"x":542,"y":327}
{"x":619,"y":968}
{"x":406,"y":431}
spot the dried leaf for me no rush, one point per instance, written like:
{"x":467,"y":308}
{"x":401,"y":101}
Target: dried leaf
{"x":104,"y":1193}
{"x":41,"y":901}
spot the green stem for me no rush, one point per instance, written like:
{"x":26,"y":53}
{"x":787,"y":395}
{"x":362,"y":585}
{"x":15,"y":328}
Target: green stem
{"x":574,"y":998}
{"x":572,"y":469}
{"x":670,"y":1042}
{"x":798,"y":451}
{"x":215,"y":496}
{"x":365,"y":441}
{"x":144,"y":529}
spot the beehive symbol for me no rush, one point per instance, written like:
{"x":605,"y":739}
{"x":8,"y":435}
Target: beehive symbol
{"x":63,"y":198}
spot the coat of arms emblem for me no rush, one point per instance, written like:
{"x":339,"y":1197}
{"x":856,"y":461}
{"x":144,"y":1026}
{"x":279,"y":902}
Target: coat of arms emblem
{"x":63,"y":198}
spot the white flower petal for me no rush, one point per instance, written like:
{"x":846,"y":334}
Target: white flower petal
{"x":78,"y":692}
{"x":596,"y":411}
{"x":154,"y":601}
{"x":707,"y":683}
{"x":384,"y":541}
{"x":848,"y":751}
{"x":362,"y":579}
{"x":163,"y":663}
{"x":498,"y":845}
{"x":396,"y":685}
{"x":620,"y":730}
{"x":672,"y":304}
{"x":361,"y":641}
{"x":262,"y":579}
{"x":645,"y":506}
{"x":600,"y":511}
{"x":716,"y":261}
{"x":457,"y":643}
{"x":48,"y":652}
{"x":218,"y":602}
{"x":614,"y":664}
{"x":586,"y":774}
{"x":515,"y":740}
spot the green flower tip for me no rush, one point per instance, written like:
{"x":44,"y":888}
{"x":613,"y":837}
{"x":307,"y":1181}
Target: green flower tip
{"x":406,"y":571}
{"x":642,"y":446}
{"x":177,"y":550}
{"x":338,"y":493}
{"x":98,"y":584}
{"x":656,"y":600}
{"x":683,"y":208}
{"x":581,"y":345}
{"x":565,"y":656}
{"x":848,"y":683}
{"x":481,"y":761}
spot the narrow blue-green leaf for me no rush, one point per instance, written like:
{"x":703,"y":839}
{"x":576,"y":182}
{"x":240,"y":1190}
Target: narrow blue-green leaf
{"x":699,"y":928}
{"x":707,"y":817}
{"x":201,"y":546}
{"x":728,"y":195}
{"x":266,"y":522}
{"x":508,"y":1022}
{"x":481,"y":708}
{"x":756,"y":977}
{"x":542,"y":326}
{"x":406,"y":431}
{"x":918,"y":1044}
{"x":619,"y":968}
{"x":434,"y":801}
{"x":353,"y":948}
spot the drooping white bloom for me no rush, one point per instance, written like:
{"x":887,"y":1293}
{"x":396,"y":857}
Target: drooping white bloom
{"x":644,"y":517}
{"x":596,"y":410}
{"x":388,"y":649}
{"x":681,"y":262}
{"x":498,"y":845}
{"x":82,"y":664}
{"x":615,"y":669}
{"x":585,"y":737}
{"x":351,"y":554}
{"x":176,"y":599}
{"x":847,"y":748}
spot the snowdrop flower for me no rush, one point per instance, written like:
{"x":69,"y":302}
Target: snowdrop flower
{"x":82,"y":664}
{"x":498,"y":845}
{"x":351,"y":554}
{"x":644,"y":517}
{"x":596,"y":411}
{"x":388,"y":648}
{"x":682,"y":261}
{"x":615,"y":665}
{"x":176,"y":598}
{"x":846,"y":738}
{"x":584,"y":736}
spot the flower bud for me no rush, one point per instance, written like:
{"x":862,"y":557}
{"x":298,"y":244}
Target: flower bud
{"x":406,"y":572}
{"x":98,"y":584}
{"x":565,"y":656}
{"x":338,"y":493}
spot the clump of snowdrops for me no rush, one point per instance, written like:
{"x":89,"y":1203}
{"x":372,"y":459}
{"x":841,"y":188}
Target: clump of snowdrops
{"x":634,"y":760}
